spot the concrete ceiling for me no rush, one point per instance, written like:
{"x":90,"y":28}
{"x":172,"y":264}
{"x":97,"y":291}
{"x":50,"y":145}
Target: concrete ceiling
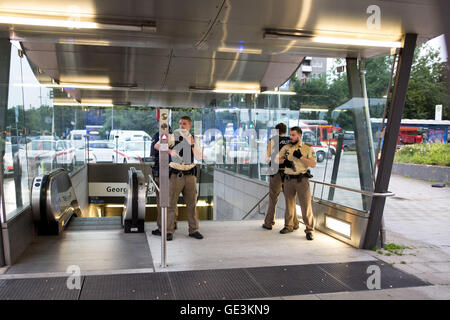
{"x":201,"y":43}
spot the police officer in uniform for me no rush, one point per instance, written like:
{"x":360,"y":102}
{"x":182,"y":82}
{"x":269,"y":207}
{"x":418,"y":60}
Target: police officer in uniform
{"x":297,"y":157}
{"x":274,"y":146}
{"x":155,"y":173}
{"x":183,"y":149}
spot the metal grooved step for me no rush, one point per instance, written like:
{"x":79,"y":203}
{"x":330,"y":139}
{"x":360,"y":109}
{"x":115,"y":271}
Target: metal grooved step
{"x":243,"y":283}
{"x":37,"y":289}
{"x":103,"y":223}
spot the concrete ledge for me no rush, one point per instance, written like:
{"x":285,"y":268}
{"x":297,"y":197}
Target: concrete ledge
{"x":18,"y":234}
{"x":422,"y":171}
{"x":80,"y":185}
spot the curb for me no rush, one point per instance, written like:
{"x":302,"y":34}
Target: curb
{"x":422,"y":171}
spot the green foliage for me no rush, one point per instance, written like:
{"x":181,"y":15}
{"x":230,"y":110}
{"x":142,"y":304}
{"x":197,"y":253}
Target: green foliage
{"x":145,"y":119}
{"x":377,"y":76}
{"x":38,"y":121}
{"x":393,"y":246}
{"x":427,"y":85}
{"x":432,"y":153}
{"x":131,"y":119}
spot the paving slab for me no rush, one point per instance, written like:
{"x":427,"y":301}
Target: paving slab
{"x":245,"y":244}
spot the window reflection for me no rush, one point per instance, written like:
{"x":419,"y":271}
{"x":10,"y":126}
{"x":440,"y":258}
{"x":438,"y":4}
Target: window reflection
{"x":41,"y":136}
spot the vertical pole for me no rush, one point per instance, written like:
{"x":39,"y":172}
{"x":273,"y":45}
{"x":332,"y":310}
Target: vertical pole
{"x":337,"y":160}
{"x":112,"y":118}
{"x":360,"y":123}
{"x":5,"y":57}
{"x":164,"y":180}
{"x":362,"y":73}
{"x":390,"y":138}
{"x":143,"y":158}
{"x":87,"y":147}
{"x":117,"y":147}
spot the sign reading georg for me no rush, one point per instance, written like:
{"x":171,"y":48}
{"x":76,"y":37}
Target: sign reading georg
{"x":108,"y":189}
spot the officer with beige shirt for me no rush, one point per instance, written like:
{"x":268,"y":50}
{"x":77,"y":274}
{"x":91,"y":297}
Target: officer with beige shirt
{"x":297,"y":157}
{"x":183,"y":149}
{"x":274,"y":146}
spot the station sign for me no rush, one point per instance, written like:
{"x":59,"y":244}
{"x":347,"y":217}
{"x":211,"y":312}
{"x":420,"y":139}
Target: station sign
{"x":108,"y":189}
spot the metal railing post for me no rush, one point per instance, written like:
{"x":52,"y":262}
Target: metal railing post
{"x":164,"y":180}
{"x":164,"y":237}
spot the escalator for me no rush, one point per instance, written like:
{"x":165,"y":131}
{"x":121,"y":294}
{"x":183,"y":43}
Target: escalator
{"x":133,"y":216}
{"x":53,"y":202}
{"x":55,"y":206}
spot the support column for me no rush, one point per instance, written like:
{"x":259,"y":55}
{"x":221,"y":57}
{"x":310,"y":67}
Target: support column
{"x":5,"y":57}
{"x":390,"y":139}
{"x":164,"y":179}
{"x":361,"y":123}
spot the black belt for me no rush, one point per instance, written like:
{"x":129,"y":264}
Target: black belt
{"x":299,"y":177}
{"x":181,"y":173}
{"x":288,"y":177}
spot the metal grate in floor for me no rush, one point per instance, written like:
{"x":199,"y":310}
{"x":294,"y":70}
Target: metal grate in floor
{"x":242,"y":283}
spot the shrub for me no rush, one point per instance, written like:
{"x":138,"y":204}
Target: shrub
{"x":424,"y":153}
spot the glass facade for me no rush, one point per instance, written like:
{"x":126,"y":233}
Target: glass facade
{"x":329,"y":123}
{"x":42,"y":134}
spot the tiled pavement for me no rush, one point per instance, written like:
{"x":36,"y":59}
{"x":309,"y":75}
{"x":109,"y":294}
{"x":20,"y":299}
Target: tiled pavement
{"x":419,"y":217}
{"x":419,"y":211}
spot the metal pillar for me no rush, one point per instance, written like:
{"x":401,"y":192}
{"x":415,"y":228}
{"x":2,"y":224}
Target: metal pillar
{"x":5,"y":58}
{"x":362,"y":73}
{"x":360,"y":123}
{"x":337,"y":160}
{"x":390,"y":138}
{"x":164,"y":180}
{"x":445,"y":9}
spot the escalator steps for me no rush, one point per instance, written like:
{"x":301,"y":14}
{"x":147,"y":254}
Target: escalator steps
{"x":103,"y":223}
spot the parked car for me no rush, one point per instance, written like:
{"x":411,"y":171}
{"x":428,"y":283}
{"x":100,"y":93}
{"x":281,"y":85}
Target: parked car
{"x":322,"y":152}
{"x":132,"y":151}
{"x":41,"y":150}
{"x":213,"y":152}
{"x":50,"y":154}
{"x":349,"y":141}
{"x":65,"y":153}
{"x":8,"y":165}
{"x":100,"y":151}
{"x":123,"y":135}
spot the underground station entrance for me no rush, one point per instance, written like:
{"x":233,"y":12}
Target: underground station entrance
{"x":86,"y":182}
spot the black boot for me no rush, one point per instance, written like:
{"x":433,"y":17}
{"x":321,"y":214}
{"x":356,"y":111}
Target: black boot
{"x":196,"y":235}
{"x":285,"y":230}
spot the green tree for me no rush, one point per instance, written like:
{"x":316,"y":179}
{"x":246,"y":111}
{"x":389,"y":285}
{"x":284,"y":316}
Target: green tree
{"x":427,"y":85}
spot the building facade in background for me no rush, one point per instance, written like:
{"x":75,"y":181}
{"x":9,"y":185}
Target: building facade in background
{"x":311,"y":67}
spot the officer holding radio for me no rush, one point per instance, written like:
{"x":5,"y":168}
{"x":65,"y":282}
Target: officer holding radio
{"x":154,"y":153}
{"x":183,"y":150}
{"x":297,"y":157}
